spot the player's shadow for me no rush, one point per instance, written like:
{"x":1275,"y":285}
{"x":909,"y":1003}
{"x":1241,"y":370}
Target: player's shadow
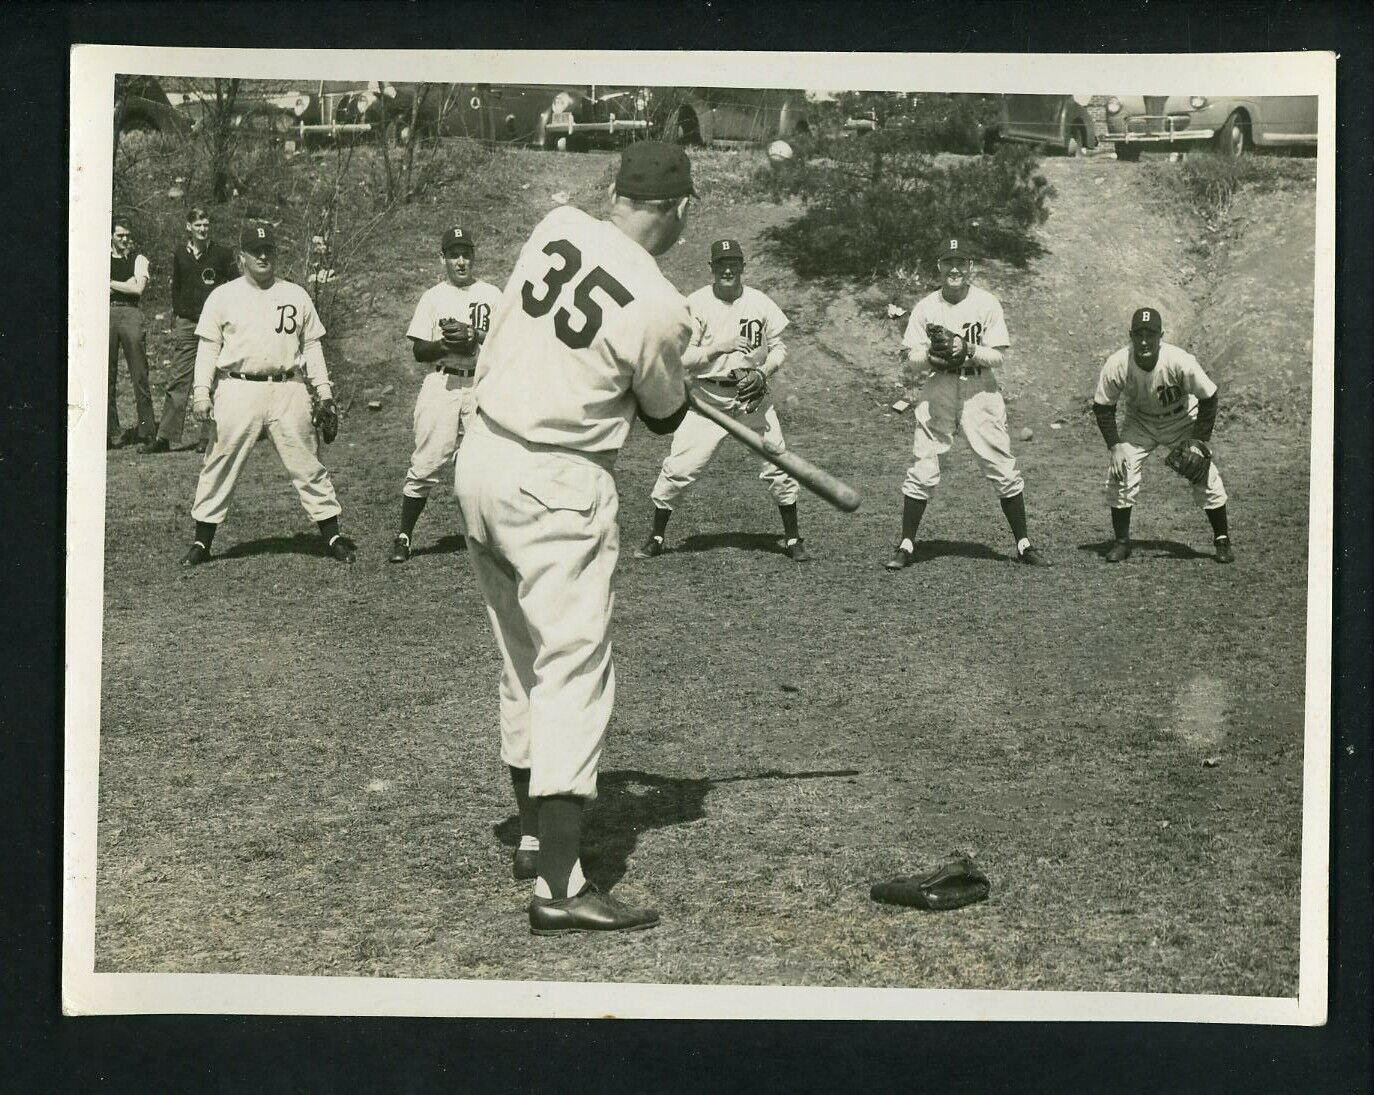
{"x":926,"y":550}
{"x":629,"y":802}
{"x":1156,"y":549}
{"x":770,"y":543}
{"x":445,"y":545}
{"x":301,"y":543}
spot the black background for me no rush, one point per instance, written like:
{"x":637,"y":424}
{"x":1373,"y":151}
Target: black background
{"x":42,"y":1051}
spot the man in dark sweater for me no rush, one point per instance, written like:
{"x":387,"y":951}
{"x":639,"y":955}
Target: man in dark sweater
{"x":198,"y":265}
{"x":128,"y":279}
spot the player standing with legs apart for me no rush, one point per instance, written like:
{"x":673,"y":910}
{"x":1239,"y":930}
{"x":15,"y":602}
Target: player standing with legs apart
{"x":256,"y":333}
{"x":736,"y":349}
{"x":129,"y":274}
{"x":450,"y":324}
{"x":198,"y":267}
{"x":589,"y":334}
{"x":959,"y":333}
{"x":1169,"y":401}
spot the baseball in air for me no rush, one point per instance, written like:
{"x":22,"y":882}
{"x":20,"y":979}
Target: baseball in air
{"x":779,"y":152}
{"x":1027,"y":433}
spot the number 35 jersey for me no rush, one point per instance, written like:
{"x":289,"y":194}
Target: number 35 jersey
{"x":260,"y":331}
{"x":587,"y":328}
{"x":1176,"y":383}
{"x":978,"y":318}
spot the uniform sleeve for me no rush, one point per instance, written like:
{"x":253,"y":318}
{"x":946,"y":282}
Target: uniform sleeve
{"x":658,"y":379}
{"x":1109,"y":384}
{"x":210,"y":326}
{"x":995,"y":329}
{"x":312,"y":327}
{"x":1195,"y":381}
{"x":422,"y":324}
{"x":777,"y":321}
{"x":915,"y":337}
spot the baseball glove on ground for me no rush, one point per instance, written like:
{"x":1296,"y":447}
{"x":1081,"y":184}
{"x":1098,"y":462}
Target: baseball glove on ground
{"x":952,"y":886}
{"x":1191,"y":460}
{"x":325,"y":416}
{"x":947,"y":350}
{"x":458,"y":335}
{"x":750,"y":387}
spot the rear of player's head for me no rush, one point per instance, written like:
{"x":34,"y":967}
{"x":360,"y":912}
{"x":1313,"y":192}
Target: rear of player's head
{"x":650,"y":194}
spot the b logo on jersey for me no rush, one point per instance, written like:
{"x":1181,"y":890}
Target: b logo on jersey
{"x":286,"y":317}
{"x":479,"y":315}
{"x":973,"y":334}
{"x":752,"y":331}
{"x":1169,"y":394}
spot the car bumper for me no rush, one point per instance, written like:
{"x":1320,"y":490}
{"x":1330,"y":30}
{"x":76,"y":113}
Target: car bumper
{"x":563,"y":125}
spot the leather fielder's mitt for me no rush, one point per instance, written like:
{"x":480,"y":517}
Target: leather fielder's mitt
{"x":951,"y":886}
{"x":325,"y":416}
{"x":458,"y":335}
{"x":948,"y":351}
{"x":1191,"y":459}
{"x":750,"y":387}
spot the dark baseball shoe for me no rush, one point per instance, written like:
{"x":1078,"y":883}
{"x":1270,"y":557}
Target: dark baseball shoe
{"x":343,"y":549}
{"x":156,"y":445}
{"x":524,"y":864}
{"x":202,"y":445}
{"x":1119,"y":552}
{"x":797,"y":550}
{"x":901,"y":559}
{"x":589,"y":911}
{"x":1032,"y":558}
{"x":1224,"y":552}
{"x":652,"y":549}
{"x":400,"y":549}
{"x":198,"y":554}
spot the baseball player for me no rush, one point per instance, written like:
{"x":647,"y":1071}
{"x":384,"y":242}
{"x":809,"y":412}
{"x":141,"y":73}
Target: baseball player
{"x":736,"y":349}
{"x":258,"y":333}
{"x":129,"y":275}
{"x":450,"y":323}
{"x":1168,"y":400}
{"x":589,"y":334}
{"x":958,"y":334}
{"x":198,"y":266}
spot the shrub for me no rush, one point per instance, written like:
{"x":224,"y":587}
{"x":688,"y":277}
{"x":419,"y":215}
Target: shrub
{"x":1208,"y":182}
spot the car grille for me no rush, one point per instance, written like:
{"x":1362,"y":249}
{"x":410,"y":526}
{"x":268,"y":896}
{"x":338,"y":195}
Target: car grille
{"x":1157,"y":124}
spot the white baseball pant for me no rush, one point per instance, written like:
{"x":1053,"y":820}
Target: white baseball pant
{"x":443,"y":409}
{"x":974,"y":405}
{"x":1141,"y":437}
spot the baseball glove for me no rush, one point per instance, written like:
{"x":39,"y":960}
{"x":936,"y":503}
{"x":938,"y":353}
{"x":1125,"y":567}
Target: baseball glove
{"x":325,"y":417}
{"x":951,"y":886}
{"x":458,"y":335}
{"x":1191,"y":459}
{"x":750,"y":387}
{"x":947,"y":350}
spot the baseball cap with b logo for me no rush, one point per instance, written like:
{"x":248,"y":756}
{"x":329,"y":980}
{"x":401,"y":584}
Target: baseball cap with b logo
{"x":456,"y":239}
{"x":726,"y":249}
{"x":256,"y":237}
{"x":1147,"y":319}
{"x":952,"y":249}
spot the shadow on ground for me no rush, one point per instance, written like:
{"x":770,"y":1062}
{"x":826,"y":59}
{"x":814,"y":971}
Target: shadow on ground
{"x":926,"y":550}
{"x":770,"y":543}
{"x":445,"y":545}
{"x":629,"y":802}
{"x":301,"y":543}
{"x":1157,"y":549}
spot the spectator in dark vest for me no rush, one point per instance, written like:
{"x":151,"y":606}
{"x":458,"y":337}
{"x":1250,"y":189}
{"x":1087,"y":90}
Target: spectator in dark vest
{"x":128,"y":279}
{"x":198,"y":265}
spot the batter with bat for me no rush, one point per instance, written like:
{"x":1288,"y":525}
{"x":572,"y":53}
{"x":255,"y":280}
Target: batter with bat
{"x":736,"y":350}
{"x":450,"y":323}
{"x":1167,"y":400}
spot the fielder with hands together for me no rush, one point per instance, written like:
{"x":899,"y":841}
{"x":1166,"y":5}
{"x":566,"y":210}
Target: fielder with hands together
{"x":256,"y":332}
{"x":588,"y":336}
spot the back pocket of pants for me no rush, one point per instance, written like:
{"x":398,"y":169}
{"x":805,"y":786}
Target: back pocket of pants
{"x":557,"y":484}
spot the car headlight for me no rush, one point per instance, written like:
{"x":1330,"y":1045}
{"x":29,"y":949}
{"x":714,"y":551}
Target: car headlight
{"x":1113,"y":105}
{"x":1197,"y":102}
{"x":301,"y":105}
{"x":562,"y":103}
{"x":365,"y":100}
{"x":1083,"y":100}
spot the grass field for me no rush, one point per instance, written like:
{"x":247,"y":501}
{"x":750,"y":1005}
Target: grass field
{"x":299,"y":769}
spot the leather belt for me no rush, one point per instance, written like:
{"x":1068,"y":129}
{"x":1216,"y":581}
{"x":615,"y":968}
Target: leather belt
{"x":722,"y":381}
{"x":970,"y":370}
{"x":269,"y":378}
{"x":455,"y":372}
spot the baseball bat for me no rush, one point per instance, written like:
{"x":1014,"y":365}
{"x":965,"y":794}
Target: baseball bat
{"x":817,"y":480}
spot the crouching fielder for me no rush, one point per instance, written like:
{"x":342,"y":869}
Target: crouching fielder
{"x":1167,"y":400}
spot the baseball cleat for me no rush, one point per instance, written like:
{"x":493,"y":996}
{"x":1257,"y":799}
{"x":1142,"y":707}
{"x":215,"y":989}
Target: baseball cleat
{"x":198,"y":554}
{"x":1032,"y":558}
{"x":1119,"y":552}
{"x":343,"y":549}
{"x":525,"y":864}
{"x":400,"y":549}
{"x":901,"y":558}
{"x":797,"y":550}
{"x":652,"y":549}
{"x":590,"y":911}
{"x":1224,"y":552}
{"x":201,"y":446}
{"x":156,"y":445}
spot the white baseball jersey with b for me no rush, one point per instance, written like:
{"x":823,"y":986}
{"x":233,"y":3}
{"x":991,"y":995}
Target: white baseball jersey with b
{"x":445,"y":403}
{"x":1159,"y":407}
{"x":948,"y":401}
{"x":587,"y":330}
{"x":756,"y":318}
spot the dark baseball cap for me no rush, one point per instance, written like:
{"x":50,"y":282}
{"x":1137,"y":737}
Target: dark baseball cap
{"x":456,"y":239}
{"x":254,"y":237}
{"x":654,"y":171}
{"x":1147,"y":318}
{"x":951,"y":248}
{"x":726,"y":249}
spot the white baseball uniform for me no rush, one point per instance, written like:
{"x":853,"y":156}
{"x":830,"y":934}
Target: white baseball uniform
{"x":445,"y":403}
{"x":587,"y":330}
{"x":1159,"y":407}
{"x":757,"y":319}
{"x":253,"y":334}
{"x":969,"y":400}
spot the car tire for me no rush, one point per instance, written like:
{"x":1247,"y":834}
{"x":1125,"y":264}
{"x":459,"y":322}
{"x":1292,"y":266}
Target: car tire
{"x":1127,"y":153}
{"x":1073,"y":144}
{"x":1232,"y":139}
{"x":991,"y":139}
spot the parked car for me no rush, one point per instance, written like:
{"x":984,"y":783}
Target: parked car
{"x":1232,"y":126}
{"x":703,"y":115}
{"x":593,"y":117}
{"x":141,"y":104}
{"x":856,"y":125}
{"x":1060,"y":122}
